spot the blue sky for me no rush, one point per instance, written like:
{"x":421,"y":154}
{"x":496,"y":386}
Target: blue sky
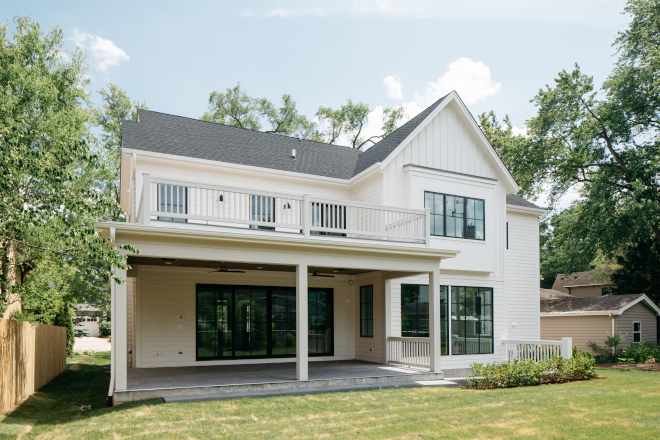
{"x":386,"y":53}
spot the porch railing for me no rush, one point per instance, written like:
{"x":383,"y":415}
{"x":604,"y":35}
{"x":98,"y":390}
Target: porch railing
{"x":179,"y":201}
{"x":537,"y":350}
{"x":413,"y":352}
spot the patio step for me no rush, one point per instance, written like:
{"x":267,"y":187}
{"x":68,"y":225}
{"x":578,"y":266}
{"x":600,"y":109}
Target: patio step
{"x":313,"y":390}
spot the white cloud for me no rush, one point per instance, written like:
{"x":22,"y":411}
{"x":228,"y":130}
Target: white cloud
{"x":104,"y":52}
{"x":469,"y":78}
{"x":519,"y":131}
{"x":581,"y":11}
{"x":394,"y":86}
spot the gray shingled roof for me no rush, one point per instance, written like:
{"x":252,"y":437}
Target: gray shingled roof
{"x":595,"y":304}
{"x":176,"y":135}
{"x":515,"y":200}
{"x":596,"y":277}
{"x":168,"y":134}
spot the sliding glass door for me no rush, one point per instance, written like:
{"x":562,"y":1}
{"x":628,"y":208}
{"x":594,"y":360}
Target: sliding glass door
{"x":237,"y":322}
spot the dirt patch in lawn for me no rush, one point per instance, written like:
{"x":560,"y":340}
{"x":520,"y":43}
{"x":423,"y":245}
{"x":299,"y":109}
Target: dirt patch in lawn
{"x":622,"y":366}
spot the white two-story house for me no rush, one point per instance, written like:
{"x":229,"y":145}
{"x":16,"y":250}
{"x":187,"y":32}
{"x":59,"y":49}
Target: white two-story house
{"x":268,"y":259}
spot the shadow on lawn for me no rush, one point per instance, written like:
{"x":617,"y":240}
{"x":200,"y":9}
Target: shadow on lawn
{"x":60,"y":400}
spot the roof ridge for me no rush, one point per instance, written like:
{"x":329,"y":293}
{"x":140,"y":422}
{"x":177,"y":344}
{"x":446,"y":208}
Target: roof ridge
{"x":247,"y":129}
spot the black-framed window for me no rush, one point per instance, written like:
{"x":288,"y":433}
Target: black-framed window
{"x":415,"y":313}
{"x":471,"y":320}
{"x":367,"y":311}
{"x":237,"y":322}
{"x":174,"y":199}
{"x":456,"y":216}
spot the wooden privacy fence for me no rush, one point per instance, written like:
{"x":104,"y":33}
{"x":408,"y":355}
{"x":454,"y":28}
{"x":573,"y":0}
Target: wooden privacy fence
{"x":30,"y":357}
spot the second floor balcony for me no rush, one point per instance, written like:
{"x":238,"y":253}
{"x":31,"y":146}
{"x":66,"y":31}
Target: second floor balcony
{"x":167,"y":200}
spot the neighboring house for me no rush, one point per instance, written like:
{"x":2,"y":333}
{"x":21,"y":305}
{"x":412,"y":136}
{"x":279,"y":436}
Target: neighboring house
{"x":594,"y":318}
{"x":259,"y":249}
{"x":87,"y":319}
{"x":585,"y":284}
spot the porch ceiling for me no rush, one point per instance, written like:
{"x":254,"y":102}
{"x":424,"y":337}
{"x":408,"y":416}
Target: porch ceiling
{"x":182,"y":262}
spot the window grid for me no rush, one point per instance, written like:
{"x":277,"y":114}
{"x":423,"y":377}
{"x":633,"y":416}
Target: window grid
{"x":367,"y":311}
{"x":472,"y":320}
{"x":456,"y":216}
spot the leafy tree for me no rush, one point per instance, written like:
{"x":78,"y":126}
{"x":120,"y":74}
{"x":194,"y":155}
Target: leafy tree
{"x":639,"y":269}
{"x":44,"y":160}
{"x":115,"y":108}
{"x":64,"y":318}
{"x":286,"y":120}
{"x":334,"y":120}
{"x":235,"y":108}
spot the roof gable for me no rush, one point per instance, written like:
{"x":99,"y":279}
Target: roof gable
{"x":464,"y":122}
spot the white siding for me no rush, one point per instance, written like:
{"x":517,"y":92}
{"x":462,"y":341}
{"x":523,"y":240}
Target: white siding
{"x":522,"y":276}
{"x":166,"y":292}
{"x":130,"y":312}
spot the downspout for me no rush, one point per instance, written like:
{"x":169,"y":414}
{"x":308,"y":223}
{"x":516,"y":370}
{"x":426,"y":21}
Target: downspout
{"x":111,"y":390}
{"x":613,"y":319}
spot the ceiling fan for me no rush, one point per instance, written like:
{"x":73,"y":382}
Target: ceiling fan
{"x":223,"y":269}
{"x":316,"y":273}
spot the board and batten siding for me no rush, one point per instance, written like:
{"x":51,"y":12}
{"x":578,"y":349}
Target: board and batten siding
{"x":166,"y":292}
{"x":445,"y":144}
{"x":522,"y":276}
{"x":642,"y":313}
{"x":581,"y":328}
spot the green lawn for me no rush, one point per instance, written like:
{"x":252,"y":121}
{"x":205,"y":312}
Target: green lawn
{"x":625,"y":405}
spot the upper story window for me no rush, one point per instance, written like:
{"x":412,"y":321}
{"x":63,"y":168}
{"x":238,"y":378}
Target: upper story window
{"x":456,"y":216}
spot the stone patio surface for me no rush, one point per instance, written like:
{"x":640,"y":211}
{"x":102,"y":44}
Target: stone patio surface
{"x":219,"y":375}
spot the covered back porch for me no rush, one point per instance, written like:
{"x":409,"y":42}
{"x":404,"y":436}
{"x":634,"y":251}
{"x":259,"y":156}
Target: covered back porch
{"x":336,"y":334}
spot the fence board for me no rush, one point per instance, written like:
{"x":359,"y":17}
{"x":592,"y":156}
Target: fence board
{"x":30,"y":357}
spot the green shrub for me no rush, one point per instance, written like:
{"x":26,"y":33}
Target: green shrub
{"x":528,"y":372}
{"x":105,"y":328}
{"x":64,"y":318}
{"x":640,"y":353}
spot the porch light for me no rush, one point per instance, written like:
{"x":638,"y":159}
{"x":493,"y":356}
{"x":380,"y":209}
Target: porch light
{"x":221,"y":198}
{"x":287,"y":206}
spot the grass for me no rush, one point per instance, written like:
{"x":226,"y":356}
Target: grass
{"x":624,"y":405}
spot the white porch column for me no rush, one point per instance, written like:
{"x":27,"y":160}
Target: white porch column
{"x":388,"y":319}
{"x":434,"y":319}
{"x":302,"y":332}
{"x":120,"y":322}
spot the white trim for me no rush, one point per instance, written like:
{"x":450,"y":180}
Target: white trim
{"x":556,"y":314}
{"x":644,"y":298}
{"x":486,"y":182}
{"x":300,"y":242}
{"x":511,"y":184}
{"x":292,"y":174}
{"x":640,"y":332}
{"x":526,"y":210}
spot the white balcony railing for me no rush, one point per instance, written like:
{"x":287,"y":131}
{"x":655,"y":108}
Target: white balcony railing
{"x":537,"y":350}
{"x":178,"y":201}
{"x":413,"y":352}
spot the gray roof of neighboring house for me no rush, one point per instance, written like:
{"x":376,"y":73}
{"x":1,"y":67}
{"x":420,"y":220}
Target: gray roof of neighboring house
{"x":516,"y":200}
{"x":554,"y":294}
{"x":595,"y":277}
{"x":595,"y":304}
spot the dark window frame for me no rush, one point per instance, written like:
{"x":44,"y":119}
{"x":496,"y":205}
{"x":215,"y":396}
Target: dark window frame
{"x":465,"y":219}
{"x":492,"y":320}
{"x":367,"y":319}
{"x":444,"y":338}
{"x":269,"y":303}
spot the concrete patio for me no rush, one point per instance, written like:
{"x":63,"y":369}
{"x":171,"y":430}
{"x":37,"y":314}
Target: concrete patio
{"x":259,"y":380}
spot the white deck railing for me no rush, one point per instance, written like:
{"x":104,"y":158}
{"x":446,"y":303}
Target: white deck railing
{"x":172,"y":200}
{"x":413,"y":352}
{"x":537,"y":350}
